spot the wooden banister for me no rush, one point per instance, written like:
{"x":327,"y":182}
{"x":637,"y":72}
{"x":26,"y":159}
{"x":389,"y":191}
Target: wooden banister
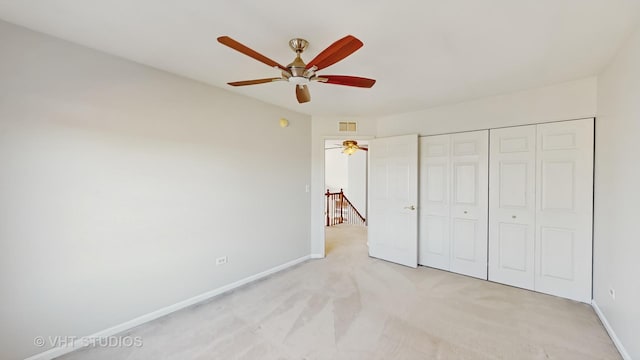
{"x":340,"y":210}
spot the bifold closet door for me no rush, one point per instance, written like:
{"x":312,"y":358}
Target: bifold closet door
{"x":454,"y":202}
{"x":469,"y":203}
{"x":512,"y":211}
{"x":434,"y":202}
{"x":564,"y":191}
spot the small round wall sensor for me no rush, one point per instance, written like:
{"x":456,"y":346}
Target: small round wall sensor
{"x":284,"y":123}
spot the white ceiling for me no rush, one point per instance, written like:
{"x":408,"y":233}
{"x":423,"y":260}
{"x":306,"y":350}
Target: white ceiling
{"x":423,"y":53}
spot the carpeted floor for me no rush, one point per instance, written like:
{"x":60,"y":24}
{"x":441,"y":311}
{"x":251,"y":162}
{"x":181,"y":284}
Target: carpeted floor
{"x":350,"y":306}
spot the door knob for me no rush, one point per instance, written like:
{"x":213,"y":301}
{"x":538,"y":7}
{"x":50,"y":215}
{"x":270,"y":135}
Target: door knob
{"x":410,"y":207}
{"x":513,"y":216}
{"x":465,"y":211}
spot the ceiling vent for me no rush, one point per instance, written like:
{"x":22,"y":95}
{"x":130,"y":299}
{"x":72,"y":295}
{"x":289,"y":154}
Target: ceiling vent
{"x":347,"y":126}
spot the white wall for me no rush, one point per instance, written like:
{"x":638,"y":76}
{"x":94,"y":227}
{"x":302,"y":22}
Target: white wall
{"x":357,"y":175}
{"x":336,"y":169}
{"x":347,"y":172}
{"x":121,"y":184}
{"x":617,"y":195}
{"x":323,"y":128}
{"x":566,"y":101}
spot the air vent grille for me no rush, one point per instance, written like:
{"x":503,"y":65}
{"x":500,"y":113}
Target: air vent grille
{"x":347,"y":126}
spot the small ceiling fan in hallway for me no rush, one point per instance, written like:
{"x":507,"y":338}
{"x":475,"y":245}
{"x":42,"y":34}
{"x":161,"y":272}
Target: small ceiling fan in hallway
{"x":349,"y":147}
{"x":301,"y":73}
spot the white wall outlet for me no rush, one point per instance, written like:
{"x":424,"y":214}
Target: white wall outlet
{"x":612,"y":293}
{"x":221,"y":260}
{"x":307,"y":188}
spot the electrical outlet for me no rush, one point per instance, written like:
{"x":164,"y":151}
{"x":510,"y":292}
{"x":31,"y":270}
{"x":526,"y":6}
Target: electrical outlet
{"x":612,"y":293}
{"x":221,"y":260}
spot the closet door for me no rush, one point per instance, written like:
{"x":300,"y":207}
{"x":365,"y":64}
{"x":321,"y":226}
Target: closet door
{"x":564,"y":191}
{"x":512,"y":206}
{"x":434,"y":222}
{"x":469,"y":203}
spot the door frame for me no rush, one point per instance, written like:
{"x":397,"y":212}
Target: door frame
{"x":320,"y":220}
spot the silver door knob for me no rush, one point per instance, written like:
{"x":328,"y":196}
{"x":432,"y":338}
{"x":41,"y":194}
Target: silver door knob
{"x":465,"y":211}
{"x":513,"y":216}
{"x":410,"y":207}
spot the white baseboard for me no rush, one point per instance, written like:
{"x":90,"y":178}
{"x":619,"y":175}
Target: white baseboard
{"x":317,"y":256}
{"x":61,"y":350}
{"x":623,"y":352}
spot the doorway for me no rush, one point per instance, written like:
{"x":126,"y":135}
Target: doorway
{"x":346,"y":172}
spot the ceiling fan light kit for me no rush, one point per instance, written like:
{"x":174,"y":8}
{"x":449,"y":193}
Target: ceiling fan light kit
{"x":300,"y":73}
{"x":349,"y":150}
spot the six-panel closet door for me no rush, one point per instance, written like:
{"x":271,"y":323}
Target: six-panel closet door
{"x":469,"y":203}
{"x":541,"y":204}
{"x":433,"y":227}
{"x":536,"y":199}
{"x":454,"y":202}
{"x":564,"y":209}
{"x":512,"y":212}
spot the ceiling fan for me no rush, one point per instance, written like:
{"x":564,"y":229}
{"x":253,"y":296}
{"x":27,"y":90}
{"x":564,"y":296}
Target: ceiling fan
{"x":349,"y":147}
{"x":301,"y":74}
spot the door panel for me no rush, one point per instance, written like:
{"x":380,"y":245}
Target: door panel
{"x":516,"y":143}
{"x":557,"y":186}
{"x":513,"y":240}
{"x":514,"y":179}
{"x":463,"y":146}
{"x":434,"y":244}
{"x":436,"y":177}
{"x":393,"y":197}
{"x":436,"y":229}
{"x":469,"y":209}
{"x":512,"y":206}
{"x":466,"y":182}
{"x":556,"y":253}
{"x":564,"y":209}
{"x":464,"y":239}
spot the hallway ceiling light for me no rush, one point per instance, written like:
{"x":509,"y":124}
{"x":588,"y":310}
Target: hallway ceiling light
{"x":351,"y":146}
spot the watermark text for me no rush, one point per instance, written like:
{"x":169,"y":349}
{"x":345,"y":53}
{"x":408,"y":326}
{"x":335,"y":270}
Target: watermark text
{"x":84,"y":341}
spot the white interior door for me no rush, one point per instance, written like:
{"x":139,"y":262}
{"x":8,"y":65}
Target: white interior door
{"x":512,"y":206}
{"x":564,"y":191}
{"x":469,"y":203}
{"x":393,"y":199}
{"x":433,"y":230}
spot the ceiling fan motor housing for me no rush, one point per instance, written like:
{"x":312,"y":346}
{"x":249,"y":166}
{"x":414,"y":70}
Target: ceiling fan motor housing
{"x":298,"y":67}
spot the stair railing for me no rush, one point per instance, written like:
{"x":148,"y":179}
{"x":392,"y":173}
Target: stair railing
{"x":339,"y":210}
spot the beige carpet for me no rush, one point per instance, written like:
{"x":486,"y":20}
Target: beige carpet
{"x":349,"y":306}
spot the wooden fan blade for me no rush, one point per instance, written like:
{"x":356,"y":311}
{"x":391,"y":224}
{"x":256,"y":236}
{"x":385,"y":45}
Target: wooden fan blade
{"x":225,"y":40}
{"x":347,"y":80}
{"x":335,"y":52}
{"x":302,"y":93}
{"x":363,"y":148}
{"x":253,"y":82}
